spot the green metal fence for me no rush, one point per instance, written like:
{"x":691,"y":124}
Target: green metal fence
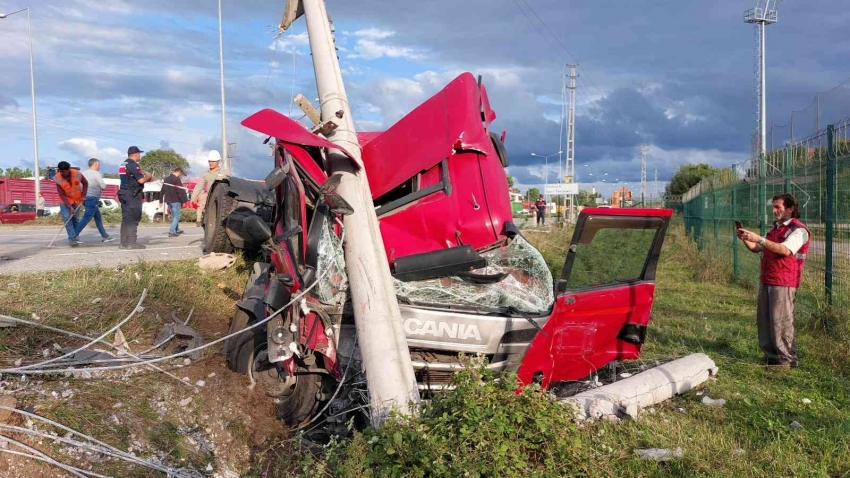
{"x":816,"y":171}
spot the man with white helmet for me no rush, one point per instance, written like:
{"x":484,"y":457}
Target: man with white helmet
{"x":205,"y":182}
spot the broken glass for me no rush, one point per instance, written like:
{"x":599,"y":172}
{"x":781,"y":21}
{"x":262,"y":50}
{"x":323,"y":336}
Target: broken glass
{"x":527,"y":286}
{"x":330,"y":271}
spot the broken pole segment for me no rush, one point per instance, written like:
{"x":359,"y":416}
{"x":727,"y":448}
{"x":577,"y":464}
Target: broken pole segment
{"x":383,"y":344}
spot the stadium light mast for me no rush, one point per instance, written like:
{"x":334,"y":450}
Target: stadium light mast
{"x":762,"y":15}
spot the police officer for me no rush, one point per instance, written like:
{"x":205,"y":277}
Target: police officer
{"x":199,"y":194}
{"x":130,"y":197}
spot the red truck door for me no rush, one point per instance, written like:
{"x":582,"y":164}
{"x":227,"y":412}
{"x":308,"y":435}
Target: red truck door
{"x":603,"y":297}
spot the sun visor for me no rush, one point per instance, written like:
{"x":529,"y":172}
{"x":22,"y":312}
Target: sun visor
{"x":287,"y":130}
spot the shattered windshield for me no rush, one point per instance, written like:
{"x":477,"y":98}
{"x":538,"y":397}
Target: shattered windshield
{"x":527,"y":286}
{"x":330,"y":271}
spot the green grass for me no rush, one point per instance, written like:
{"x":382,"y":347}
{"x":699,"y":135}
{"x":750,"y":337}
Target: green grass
{"x":697,"y":309}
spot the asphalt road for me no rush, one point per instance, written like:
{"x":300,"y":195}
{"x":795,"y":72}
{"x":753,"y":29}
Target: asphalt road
{"x":24,"y":249}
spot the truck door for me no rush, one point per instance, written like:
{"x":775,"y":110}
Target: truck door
{"x":603,"y":298}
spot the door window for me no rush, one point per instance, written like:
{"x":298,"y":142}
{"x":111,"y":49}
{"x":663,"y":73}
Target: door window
{"x":608,"y":250}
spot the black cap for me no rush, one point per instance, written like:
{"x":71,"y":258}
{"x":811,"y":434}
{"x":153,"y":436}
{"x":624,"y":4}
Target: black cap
{"x":134,"y":150}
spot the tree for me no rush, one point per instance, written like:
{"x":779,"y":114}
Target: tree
{"x":510,"y":181}
{"x":111,"y":176}
{"x":532,"y":194}
{"x":687,"y":177}
{"x":161,"y":162}
{"x":587,"y":198}
{"x":17,"y":173}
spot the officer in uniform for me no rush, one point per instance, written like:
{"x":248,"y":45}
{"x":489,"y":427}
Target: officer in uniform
{"x":130,"y":197}
{"x":199,"y":194}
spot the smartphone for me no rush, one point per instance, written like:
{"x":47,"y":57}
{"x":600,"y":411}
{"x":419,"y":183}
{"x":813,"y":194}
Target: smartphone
{"x":738,"y":225}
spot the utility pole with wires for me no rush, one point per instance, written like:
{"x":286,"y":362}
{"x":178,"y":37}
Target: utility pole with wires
{"x":228,"y":169}
{"x":643,"y":150}
{"x":571,"y":138}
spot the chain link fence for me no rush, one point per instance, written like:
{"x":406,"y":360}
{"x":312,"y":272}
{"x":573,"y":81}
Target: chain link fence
{"x":816,"y":170}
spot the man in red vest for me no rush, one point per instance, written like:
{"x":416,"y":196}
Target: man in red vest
{"x":784,"y":253}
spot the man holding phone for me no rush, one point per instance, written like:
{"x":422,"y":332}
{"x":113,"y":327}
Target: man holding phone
{"x":784,"y":250}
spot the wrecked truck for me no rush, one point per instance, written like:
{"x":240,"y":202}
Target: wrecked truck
{"x":466,"y":279}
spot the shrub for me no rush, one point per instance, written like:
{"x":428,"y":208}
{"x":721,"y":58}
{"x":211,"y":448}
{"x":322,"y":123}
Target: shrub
{"x":482,"y":428}
{"x":188,"y":215}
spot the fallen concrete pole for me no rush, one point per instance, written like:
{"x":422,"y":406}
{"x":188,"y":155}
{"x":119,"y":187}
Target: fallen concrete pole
{"x":383,"y":344}
{"x":628,"y":396}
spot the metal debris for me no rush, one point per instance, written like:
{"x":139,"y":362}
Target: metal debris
{"x":183,"y":332}
{"x":706,"y":400}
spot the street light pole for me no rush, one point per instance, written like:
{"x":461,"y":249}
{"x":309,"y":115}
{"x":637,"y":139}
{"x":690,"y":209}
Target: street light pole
{"x":37,"y":171}
{"x":546,"y":173}
{"x":227,"y":166}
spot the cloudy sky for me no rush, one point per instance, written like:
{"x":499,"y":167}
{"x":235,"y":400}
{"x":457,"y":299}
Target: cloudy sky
{"x":677,"y":75}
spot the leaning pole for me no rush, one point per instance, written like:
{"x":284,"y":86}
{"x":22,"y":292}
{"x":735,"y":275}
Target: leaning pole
{"x":382,"y":341}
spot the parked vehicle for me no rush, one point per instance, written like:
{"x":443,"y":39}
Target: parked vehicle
{"x":108,"y":204}
{"x":23,"y":190}
{"x":466,"y":279}
{"x":17,"y":213}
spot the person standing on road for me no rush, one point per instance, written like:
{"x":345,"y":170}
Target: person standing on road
{"x":205,"y":182}
{"x":130,"y":197}
{"x":39,"y":206}
{"x":784,"y":252}
{"x":175,"y":195}
{"x":92,"y":202}
{"x":540,"y":205}
{"x":72,"y":187}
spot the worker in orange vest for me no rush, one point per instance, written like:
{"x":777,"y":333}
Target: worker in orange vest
{"x":72,"y":187}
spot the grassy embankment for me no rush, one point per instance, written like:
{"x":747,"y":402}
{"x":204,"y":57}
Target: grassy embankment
{"x":481,"y":431}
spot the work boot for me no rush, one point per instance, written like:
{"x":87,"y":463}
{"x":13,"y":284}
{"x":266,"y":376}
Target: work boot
{"x":74,"y":242}
{"x":135,"y":245}
{"x":173,"y":234}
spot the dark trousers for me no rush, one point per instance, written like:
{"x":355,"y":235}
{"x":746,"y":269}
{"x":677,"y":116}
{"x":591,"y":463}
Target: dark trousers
{"x":541,"y":218}
{"x":131,"y":215}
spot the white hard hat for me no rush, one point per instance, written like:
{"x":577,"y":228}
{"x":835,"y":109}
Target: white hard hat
{"x":213,"y":156}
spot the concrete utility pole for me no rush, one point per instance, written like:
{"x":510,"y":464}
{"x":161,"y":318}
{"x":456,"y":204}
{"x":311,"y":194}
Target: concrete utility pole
{"x":571,"y":138}
{"x":656,"y":184}
{"x":643,"y":150}
{"x":380,"y":333}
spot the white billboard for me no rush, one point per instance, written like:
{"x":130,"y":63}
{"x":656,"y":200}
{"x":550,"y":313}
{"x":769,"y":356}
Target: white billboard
{"x":561,"y":189}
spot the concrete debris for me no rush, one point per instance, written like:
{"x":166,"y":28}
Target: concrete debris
{"x":682,"y":411}
{"x":626,"y":397}
{"x":120,"y":341}
{"x":138,"y":277}
{"x":216,"y":261}
{"x":706,"y":400}
{"x":739,"y":452}
{"x":57,"y":346}
{"x":211,"y":375}
{"x":625,"y":375}
{"x":96,"y":301}
{"x":46,"y":353}
{"x":118,"y":405}
{"x":209,"y":467}
{"x":185,"y":402}
{"x":19,"y":362}
{"x":660,"y":454}
{"x":796,"y":425}
{"x":200,"y":383}
{"x":186,"y":379}
{"x":67,"y":394}
{"x":35,"y":316}
{"x":807,"y":401}
{"x":187,"y":362}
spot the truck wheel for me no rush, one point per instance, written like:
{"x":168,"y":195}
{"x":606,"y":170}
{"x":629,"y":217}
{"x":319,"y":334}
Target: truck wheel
{"x":219,"y":205}
{"x":296,"y":398}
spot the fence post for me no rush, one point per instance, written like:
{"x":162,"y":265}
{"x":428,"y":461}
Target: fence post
{"x":830,"y":209}
{"x":714,"y":214}
{"x":762,"y":196}
{"x":787,"y":168}
{"x":734,"y":234}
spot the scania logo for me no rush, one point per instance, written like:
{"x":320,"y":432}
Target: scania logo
{"x":440,"y":330}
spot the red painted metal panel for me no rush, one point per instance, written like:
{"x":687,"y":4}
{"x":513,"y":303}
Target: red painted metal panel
{"x":23,"y":190}
{"x":581,"y":334}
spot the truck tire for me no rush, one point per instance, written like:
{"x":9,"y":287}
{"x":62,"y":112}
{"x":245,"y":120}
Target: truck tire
{"x":219,"y":205}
